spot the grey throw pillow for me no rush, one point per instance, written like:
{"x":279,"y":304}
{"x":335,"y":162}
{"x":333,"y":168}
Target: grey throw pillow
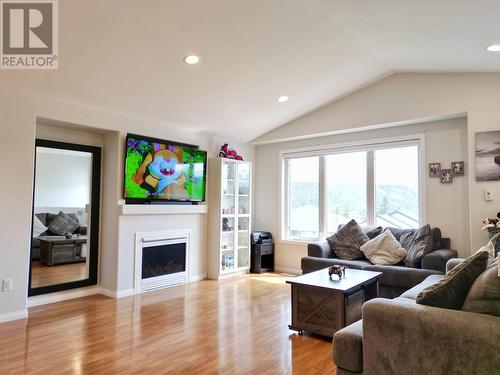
{"x":347,"y":241}
{"x":417,"y":242}
{"x":63,"y":224}
{"x":451,"y":290}
{"x":484,"y":295}
{"x":371,"y":231}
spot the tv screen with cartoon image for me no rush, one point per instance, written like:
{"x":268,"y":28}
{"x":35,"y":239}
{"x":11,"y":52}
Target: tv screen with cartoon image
{"x":158,"y":170}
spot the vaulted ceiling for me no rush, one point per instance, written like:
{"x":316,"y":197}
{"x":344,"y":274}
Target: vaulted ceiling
{"x":126,"y":56}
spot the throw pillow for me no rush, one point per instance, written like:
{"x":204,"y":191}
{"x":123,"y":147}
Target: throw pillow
{"x":484,"y":295}
{"x":63,"y":224}
{"x":371,"y":231}
{"x":347,"y":241}
{"x":490,"y":248}
{"x":417,"y":242}
{"x":38,"y":227}
{"x":451,"y":290}
{"x":384,"y":249}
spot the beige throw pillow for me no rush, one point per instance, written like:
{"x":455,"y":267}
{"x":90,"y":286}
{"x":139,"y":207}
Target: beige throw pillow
{"x":384,"y":249}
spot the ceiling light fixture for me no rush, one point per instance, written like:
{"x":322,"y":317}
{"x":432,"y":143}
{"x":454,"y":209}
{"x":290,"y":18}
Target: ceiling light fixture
{"x":283,"y":98}
{"x":494,"y":48}
{"x":192,"y":59}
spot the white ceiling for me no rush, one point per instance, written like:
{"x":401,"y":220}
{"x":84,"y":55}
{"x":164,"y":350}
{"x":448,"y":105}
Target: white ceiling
{"x":126,"y":55}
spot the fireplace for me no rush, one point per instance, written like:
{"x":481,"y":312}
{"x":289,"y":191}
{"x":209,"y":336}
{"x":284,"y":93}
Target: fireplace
{"x":161,"y":259}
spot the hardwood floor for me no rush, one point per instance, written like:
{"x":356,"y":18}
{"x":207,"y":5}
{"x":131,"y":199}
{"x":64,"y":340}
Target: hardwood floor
{"x":237,"y":326}
{"x":62,"y":273}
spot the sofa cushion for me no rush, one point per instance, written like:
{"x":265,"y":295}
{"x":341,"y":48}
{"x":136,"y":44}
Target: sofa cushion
{"x":413,"y":292}
{"x":400,"y":276}
{"x":38,"y":227}
{"x":348,"y":347}
{"x":417,"y":242}
{"x":398,"y":232}
{"x":451,"y":290}
{"x":484,"y":294}
{"x":310,"y":264}
{"x":347,"y":241}
{"x":384,"y":249}
{"x":63,"y":224}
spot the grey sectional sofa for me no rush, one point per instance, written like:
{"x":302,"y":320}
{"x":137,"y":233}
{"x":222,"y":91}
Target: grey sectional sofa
{"x":394,"y":280}
{"x":399,"y":336}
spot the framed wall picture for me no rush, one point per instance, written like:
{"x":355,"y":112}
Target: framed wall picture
{"x":446,"y":176}
{"x":457,"y":168}
{"x":434,"y":169}
{"x":488,"y":156}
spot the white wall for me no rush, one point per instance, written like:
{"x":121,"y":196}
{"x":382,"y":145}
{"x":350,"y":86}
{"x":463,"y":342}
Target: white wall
{"x":70,"y":122}
{"x":415,"y":97}
{"x":447,"y":205}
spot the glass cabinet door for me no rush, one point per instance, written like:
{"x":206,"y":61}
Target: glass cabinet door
{"x":243,"y":241}
{"x":228,"y":188}
{"x":243,"y":188}
{"x":227,"y":243}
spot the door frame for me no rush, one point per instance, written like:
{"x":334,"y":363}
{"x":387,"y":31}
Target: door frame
{"x":94,"y":228}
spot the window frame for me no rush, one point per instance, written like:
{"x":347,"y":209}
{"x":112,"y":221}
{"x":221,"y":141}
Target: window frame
{"x":322,"y":151}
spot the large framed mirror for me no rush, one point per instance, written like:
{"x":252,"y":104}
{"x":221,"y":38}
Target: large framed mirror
{"x":65,"y":229}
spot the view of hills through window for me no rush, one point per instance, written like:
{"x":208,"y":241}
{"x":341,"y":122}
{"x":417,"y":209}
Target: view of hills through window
{"x":394,"y":185}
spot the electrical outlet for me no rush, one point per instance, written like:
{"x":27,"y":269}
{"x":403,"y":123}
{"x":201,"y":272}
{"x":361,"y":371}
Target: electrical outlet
{"x":7,"y":285}
{"x":488,"y":196}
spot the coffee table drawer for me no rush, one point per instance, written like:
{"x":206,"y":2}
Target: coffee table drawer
{"x":354,"y":304}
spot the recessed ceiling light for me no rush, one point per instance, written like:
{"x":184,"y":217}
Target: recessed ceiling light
{"x":192,"y":59}
{"x":494,"y":48}
{"x":283,"y":98}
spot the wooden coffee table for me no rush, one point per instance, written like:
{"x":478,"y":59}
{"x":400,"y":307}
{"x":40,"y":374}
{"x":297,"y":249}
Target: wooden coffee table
{"x":59,"y":249}
{"x":322,"y":305}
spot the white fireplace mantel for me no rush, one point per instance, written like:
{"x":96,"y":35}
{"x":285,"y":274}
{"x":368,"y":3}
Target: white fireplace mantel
{"x":163,"y":209}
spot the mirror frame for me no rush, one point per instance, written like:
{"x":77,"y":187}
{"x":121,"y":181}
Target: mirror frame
{"x":93,"y":248}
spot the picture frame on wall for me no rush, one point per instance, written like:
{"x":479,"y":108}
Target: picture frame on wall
{"x":446,"y":176}
{"x":434,"y":169}
{"x":457,"y":168}
{"x":488,"y":156}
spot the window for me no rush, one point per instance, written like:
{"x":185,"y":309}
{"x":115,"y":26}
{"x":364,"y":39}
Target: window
{"x":374,"y":184}
{"x":345,"y":189}
{"x":303,"y":198}
{"x":396,"y":187}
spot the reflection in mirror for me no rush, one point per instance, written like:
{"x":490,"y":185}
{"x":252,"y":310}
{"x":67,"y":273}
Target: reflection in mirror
{"x":61,"y":222}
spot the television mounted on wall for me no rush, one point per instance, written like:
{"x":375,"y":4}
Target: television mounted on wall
{"x":163,"y":171}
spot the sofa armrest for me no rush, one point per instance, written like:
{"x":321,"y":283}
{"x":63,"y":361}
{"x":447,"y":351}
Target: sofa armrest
{"x":437,"y":259}
{"x":400,"y":337}
{"x":452,"y":263}
{"x":82,"y":229}
{"x":320,"y":249}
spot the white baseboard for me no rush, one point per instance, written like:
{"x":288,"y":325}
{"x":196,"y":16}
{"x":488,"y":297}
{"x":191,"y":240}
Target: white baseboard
{"x":291,"y":271}
{"x":62,"y":296}
{"x":117,"y":293}
{"x":196,"y":278}
{"x":14,"y":315}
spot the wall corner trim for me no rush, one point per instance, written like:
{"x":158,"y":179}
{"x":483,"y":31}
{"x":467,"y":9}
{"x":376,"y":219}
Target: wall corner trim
{"x":291,"y":271}
{"x":116,"y":293}
{"x":14,"y":315}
